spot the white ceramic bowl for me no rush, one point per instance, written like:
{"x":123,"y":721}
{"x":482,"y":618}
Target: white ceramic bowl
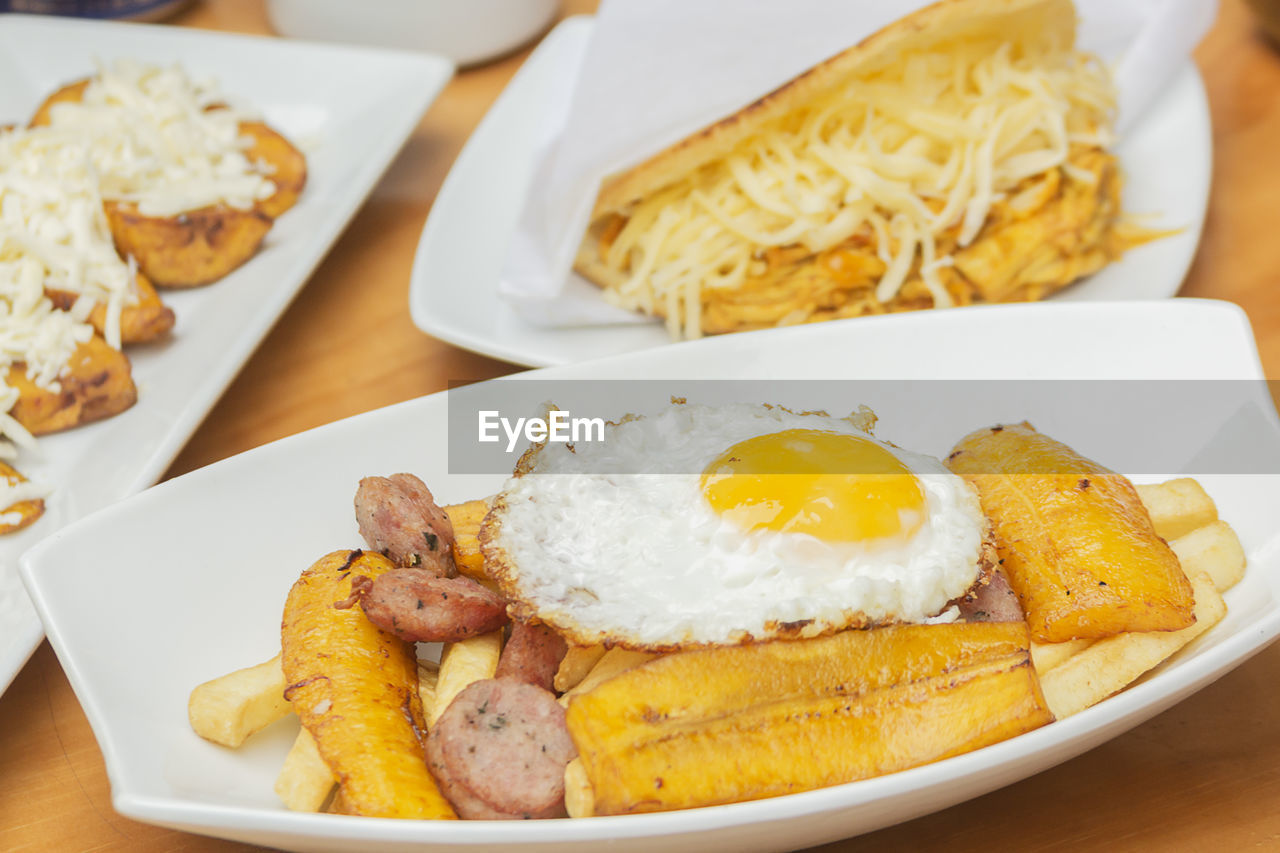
{"x":466,"y":31}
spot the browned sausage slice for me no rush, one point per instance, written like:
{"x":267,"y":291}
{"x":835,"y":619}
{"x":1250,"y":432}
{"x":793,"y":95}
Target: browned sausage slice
{"x":499,"y":752}
{"x":399,"y":517}
{"x":419,"y":607}
{"x":994,"y":601}
{"x":532,"y":654}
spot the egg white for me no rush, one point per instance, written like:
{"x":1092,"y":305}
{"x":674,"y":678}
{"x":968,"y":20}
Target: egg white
{"x":615,"y":541}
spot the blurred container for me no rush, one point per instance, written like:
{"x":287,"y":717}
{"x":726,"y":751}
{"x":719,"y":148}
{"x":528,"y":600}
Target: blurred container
{"x":466,"y":31}
{"x":1268,"y":14}
{"x":131,"y":10}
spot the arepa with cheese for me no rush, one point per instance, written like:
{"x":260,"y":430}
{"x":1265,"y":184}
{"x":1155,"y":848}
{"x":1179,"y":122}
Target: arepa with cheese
{"x":956,"y":156}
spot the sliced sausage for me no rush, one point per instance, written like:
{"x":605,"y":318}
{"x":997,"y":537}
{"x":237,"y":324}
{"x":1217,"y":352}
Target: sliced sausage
{"x":499,"y":752}
{"x":399,"y":517}
{"x":994,"y":601}
{"x":532,"y":655}
{"x":419,"y":607}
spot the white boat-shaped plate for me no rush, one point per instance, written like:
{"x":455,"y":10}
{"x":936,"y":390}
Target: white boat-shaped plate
{"x":349,"y":109}
{"x":186,"y":581}
{"x":453,"y":292}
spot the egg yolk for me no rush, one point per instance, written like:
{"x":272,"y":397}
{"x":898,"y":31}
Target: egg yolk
{"x":834,"y":486}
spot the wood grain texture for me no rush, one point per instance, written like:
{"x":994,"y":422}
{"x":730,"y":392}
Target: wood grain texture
{"x":1204,"y":775}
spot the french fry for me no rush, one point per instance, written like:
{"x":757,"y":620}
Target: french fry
{"x":1177,"y":507}
{"x":1111,"y":664}
{"x":466,"y":518}
{"x":1214,"y":549}
{"x":228,"y":709}
{"x":305,"y":781}
{"x":462,"y":663}
{"x":428,"y":678}
{"x":575,"y":665}
{"x":611,"y":663}
{"x":1045,"y":656}
{"x":579,"y":798}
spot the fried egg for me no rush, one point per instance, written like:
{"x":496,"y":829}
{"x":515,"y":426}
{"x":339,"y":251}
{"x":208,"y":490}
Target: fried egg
{"x":728,"y":524}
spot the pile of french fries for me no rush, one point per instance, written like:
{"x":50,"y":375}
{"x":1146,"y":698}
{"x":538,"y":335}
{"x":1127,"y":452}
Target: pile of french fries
{"x":1073,"y":675}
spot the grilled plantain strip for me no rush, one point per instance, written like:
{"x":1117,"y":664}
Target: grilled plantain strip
{"x":729,"y":724}
{"x":355,"y":689}
{"x":1073,"y":537}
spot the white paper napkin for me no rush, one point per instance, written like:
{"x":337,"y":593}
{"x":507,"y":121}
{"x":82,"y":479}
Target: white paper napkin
{"x":655,"y":71}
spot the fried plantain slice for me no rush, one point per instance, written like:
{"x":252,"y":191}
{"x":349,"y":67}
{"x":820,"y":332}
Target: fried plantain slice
{"x":199,"y":246}
{"x":147,"y":320}
{"x":355,"y":689}
{"x":96,"y":384}
{"x":26,"y":512}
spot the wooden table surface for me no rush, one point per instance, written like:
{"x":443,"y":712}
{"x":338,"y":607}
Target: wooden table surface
{"x":1202,"y":776}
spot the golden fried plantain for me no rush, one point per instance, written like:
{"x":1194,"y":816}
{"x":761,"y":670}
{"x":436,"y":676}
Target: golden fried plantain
{"x":288,"y":166}
{"x":68,"y":94}
{"x":200,"y":246}
{"x":96,"y":384}
{"x":1073,"y":537}
{"x":355,"y":689}
{"x":147,"y":320}
{"x":739,"y":723}
{"x":190,"y":249}
{"x":26,"y":511}
{"x":466,"y":518}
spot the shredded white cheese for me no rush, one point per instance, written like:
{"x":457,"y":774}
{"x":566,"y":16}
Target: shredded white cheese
{"x":924,"y":145}
{"x":53,"y":235}
{"x":162,"y":140}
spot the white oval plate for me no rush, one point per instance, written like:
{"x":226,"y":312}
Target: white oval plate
{"x":453,"y":293}
{"x":186,"y":581}
{"x":350,"y":109}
